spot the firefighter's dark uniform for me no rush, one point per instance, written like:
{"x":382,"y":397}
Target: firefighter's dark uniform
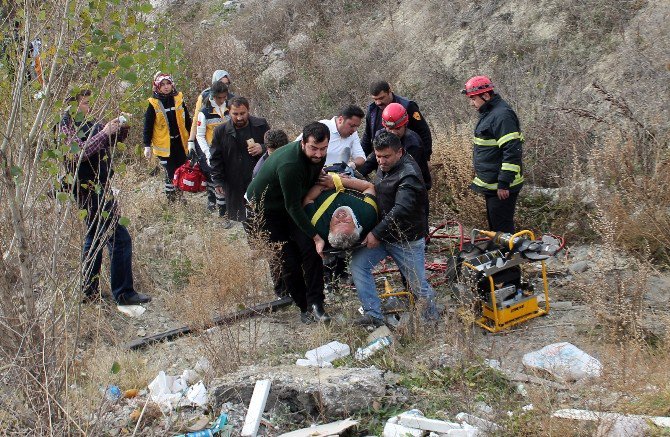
{"x":373,"y":123}
{"x":497,"y":161}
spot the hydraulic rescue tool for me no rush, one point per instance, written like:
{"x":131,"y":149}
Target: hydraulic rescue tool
{"x":492,"y":265}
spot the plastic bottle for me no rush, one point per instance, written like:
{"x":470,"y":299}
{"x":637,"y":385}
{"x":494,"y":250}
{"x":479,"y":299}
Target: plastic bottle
{"x":370,"y":349}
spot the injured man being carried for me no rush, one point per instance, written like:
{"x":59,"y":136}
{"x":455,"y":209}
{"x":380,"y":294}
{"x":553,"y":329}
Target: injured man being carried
{"x":342,"y":209}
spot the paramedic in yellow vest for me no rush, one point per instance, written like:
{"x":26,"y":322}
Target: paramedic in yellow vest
{"x":217,"y":76}
{"x":166,"y":125}
{"x":213,"y":114}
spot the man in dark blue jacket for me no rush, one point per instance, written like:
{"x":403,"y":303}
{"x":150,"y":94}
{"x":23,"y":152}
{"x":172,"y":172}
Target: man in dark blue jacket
{"x":382,"y":96}
{"x":497,"y":153}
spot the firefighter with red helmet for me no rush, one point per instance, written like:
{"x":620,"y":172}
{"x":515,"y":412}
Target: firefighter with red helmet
{"x":497,"y":153}
{"x":395,"y":119}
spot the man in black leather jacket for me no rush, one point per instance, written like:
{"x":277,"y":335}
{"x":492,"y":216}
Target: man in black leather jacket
{"x":401,"y":194}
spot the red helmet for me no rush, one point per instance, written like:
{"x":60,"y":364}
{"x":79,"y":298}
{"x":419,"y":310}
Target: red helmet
{"x":394,"y":116}
{"x":477,"y":85}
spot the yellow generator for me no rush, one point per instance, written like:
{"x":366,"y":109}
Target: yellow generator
{"x":492,"y":266}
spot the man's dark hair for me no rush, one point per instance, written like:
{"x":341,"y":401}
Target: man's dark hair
{"x":77,"y":97}
{"x":218,"y":88}
{"x":351,"y":111}
{"x":275,"y":138}
{"x":316,"y":130}
{"x":238,"y":101}
{"x":379,"y":86}
{"x":386,"y":139}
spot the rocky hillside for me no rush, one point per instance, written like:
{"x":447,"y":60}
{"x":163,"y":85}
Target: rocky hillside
{"x":301,"y":60}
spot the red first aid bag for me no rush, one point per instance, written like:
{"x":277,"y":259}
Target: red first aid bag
{"x":190,"y":178}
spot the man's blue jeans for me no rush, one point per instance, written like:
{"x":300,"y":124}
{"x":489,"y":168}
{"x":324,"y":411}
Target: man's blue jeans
{"x":410,"y":258}
{"x":108,"y":232}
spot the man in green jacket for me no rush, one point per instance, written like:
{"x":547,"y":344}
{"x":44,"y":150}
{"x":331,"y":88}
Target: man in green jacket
{"x":276,"y":195}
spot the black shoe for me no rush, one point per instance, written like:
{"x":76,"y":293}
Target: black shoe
{"x":368,"y":320}
{"x":133,"y":298}
{"x":319,"y":314}
{"x":306,"y":317}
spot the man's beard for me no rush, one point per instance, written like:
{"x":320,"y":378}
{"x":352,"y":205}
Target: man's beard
{"x":240,"y":124}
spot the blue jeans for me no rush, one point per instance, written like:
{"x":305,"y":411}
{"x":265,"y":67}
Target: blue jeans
{"x":108,"y":232}
{"x":410,"y":258}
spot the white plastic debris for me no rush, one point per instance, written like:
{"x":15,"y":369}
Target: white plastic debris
{"x":597,"y":416}
{"x":172,"y":391}
{"x":414,"y":423}
{"x":304,"y":362}
{"x":395,"y":430}
{"x":564,"y":361}
{"x":333,"y":428}
{"x":190,"y":376}
{"x":256,"y":407}
{"x":376,"y":345}
{"x":131,"y":310}
{"x":328,"y":353}
{"x":197,"y":394}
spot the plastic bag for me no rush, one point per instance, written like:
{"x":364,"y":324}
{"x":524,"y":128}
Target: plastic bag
{"x":564,"y":361}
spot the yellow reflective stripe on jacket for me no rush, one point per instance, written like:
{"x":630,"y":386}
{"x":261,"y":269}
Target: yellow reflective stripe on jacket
{"x":483,"y":142}
{"x":369,"y":201}
{"x":483,"y":184}
{"x":502,"y":140}
{"x":509,"y":137}
{"x":324,"y":206}
{"x":511,"y":167}
{"x":160,"y":140}
{"x":518,"y":179}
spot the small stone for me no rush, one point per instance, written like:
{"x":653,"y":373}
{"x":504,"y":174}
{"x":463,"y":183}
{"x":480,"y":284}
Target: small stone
{"x":579,"y":267}
{"x":141,"y":332}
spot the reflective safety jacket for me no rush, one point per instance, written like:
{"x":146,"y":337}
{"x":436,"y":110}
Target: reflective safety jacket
{"x":160,"y":139}
{"x":497,"y":148}
{"x":210,"y":117}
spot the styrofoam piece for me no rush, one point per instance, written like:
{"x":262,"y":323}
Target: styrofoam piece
{"x":478,"y":422}
{"x":256,"y":407}
{"x":564,"y":361}
{"x":466,"y":431}
{"x":131,"y":310}
{"x":395,"y":430}
{"x":333,"y":428}
{"x":412,"y":420}
{"x":593,"y":416}
{"x":328,"y":352}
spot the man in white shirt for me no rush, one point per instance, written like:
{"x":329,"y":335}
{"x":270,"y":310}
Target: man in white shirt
{"x":344,"y":145}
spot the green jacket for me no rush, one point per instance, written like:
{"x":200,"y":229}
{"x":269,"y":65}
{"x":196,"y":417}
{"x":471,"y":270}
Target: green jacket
{"x":283,"y":182}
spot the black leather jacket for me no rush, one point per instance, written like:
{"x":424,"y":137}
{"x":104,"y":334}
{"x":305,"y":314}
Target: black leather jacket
{"x":401,"y":197}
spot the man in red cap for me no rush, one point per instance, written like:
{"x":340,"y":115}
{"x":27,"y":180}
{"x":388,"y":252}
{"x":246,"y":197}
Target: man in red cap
{"x":497,"y":153}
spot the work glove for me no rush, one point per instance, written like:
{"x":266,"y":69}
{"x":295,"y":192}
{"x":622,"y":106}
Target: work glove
{"x":191,"y":146}
{"x":147,"y":152}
